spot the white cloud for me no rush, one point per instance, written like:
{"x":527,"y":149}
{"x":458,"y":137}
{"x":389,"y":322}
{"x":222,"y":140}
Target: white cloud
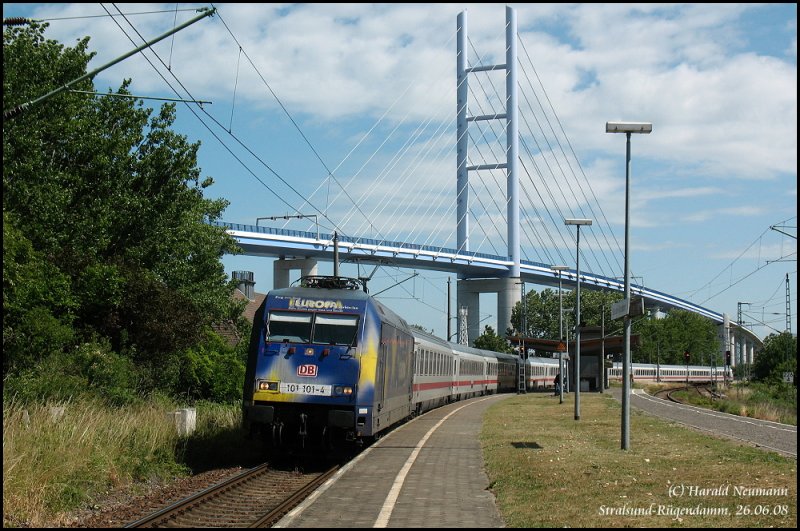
{"x":734,"y":115}
{"x":723,"y":152}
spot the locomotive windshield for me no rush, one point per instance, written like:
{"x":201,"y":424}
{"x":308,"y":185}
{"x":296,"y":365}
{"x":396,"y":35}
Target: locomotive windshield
{"x":335,"y":329}
{"x":294,"y":327}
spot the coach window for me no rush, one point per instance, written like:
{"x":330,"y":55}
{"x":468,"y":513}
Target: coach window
{"x":336,"y":329}
{"x":294,"y":327}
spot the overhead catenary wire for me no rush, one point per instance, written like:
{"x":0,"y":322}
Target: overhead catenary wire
{"x":758,"y":239}
{"x":290,"y":117}
{"x":25,"y":20}
{"x":278,"y":196}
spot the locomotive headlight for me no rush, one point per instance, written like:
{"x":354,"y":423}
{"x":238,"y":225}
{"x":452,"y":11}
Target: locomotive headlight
{"x":264,"y":385}
{"x":342,"y":390}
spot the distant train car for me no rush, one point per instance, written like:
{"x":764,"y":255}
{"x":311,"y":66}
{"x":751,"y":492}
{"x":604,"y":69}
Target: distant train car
{"x":507,"y":372}
{"x":541,"y":373}
{"x":434,"y":372}
{"x":648,"y":372}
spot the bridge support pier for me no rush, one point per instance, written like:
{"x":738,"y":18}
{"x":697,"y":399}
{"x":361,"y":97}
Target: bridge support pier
{"x":282,"y":266}
{"x":508,"y":293}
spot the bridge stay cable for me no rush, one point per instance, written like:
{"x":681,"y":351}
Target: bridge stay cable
{"x":577,"y":160}
{"x":361,"y":141}
{"x":588,"y":203}
{"x":499,"y":97}
{"x":411,"y":169}
{"x":541,"y":243}
{"x":396,"y":157}
{"x":564,"y":196}
{"x":491,"y":145}
{"x":299,"y":130}
{"x":386,"y":198}
{"x":563,"y":173}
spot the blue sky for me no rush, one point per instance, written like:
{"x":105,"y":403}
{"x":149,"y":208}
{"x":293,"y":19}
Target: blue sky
{"x":366,"y":93}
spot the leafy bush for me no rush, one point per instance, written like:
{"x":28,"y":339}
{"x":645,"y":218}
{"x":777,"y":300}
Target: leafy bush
{"x":90,"y":370}
{"x":212,"y":371}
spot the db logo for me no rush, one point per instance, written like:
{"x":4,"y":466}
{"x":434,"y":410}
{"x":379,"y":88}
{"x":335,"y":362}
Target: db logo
{"x":307,"y":370}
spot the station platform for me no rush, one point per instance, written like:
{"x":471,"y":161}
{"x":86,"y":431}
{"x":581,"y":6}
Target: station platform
{"x":426,"y":473}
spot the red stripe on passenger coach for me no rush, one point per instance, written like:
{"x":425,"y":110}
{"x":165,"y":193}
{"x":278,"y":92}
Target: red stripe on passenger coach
{"x":430,"y":385}
{"x":465,"y":383}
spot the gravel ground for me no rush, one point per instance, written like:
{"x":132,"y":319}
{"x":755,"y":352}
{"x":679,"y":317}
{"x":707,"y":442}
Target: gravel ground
{"x":127,"y":505}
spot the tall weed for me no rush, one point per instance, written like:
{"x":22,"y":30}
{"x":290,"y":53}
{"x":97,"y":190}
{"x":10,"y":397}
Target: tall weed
{"x":58,"y":454}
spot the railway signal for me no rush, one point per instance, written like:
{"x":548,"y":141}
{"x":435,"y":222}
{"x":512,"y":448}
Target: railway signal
{"x":686,"y":357}
{"x":727,"y":357}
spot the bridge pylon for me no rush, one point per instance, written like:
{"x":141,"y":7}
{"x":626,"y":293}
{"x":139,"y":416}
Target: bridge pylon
{"x":282,"y":266}
{"x":468,"y":294}
{"x":506,"y":287}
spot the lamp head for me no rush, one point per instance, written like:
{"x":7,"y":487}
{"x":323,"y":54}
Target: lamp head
{"x":629,"y":127}
{"x":576,"y":221}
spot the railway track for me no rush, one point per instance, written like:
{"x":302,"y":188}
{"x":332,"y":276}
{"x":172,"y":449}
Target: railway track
{"x":668,"y":394}
{"x":258,"y":497}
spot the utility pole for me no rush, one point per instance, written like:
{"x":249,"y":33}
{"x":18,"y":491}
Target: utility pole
{"x":788,"y":306}
{"x":449,"y":334}
{"x":739,"y":350}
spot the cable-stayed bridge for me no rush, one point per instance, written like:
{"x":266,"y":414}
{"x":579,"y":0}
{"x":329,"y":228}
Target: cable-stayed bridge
{"x":302,"y":250}
{"x":505,"y":235}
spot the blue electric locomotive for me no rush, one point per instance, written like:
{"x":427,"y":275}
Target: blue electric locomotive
{"x":327,"y":362}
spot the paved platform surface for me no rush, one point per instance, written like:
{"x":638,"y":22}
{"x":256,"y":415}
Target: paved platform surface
{"x":427,"y":473}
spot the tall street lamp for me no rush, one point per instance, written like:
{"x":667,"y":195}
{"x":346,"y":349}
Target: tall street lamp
{"x":578,"y":223}
{"x":628,"y":128}
{"x":560,"y":268}
{"x":567,"y":385}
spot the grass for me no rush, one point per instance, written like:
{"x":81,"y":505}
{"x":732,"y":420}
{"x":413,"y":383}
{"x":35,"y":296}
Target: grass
{"x":54,"y":463}
{"x":548,"y":470}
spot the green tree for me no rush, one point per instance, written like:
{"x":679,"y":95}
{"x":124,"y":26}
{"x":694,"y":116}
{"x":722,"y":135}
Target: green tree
{"x":778,"y":356}
{"x":111,"y":199}
{"x":542,"y":311}
{"x":489,"y":340}
{"x":37,"y":303}
{"x":665,"y":340}
{"x":661,"y":340}
{"x":420,"y":328}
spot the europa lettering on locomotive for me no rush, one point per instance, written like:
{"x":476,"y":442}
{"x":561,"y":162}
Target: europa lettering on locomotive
{"x":296,"y":302}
